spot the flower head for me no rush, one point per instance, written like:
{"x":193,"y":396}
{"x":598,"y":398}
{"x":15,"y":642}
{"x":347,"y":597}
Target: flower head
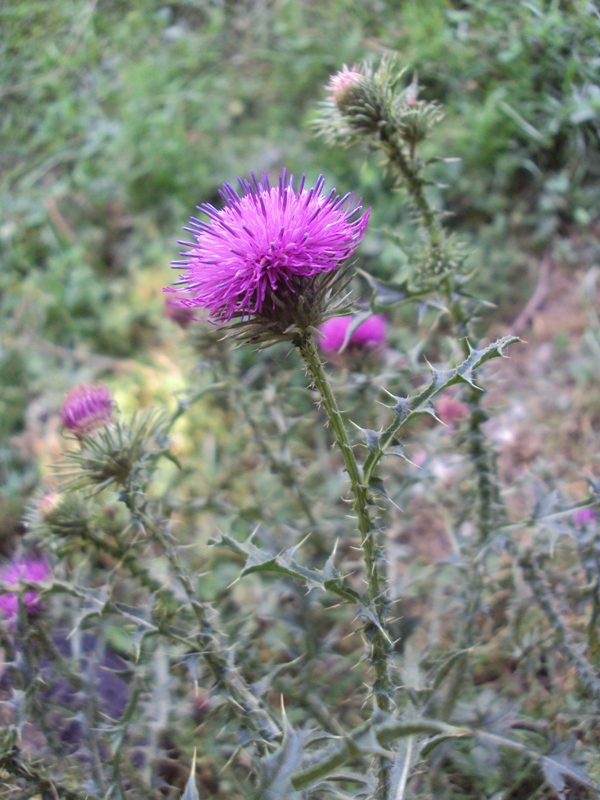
{"x":370,"y":333}
{"x":28,"y":569}
{"x":87,"y":407}
{"x":268,"y":254}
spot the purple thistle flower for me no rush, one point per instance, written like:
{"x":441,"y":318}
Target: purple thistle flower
{"x":260,"y":252}
{"x":370,"y":333}
{"x":28,"y":569}
{"x":87,"y":407}
{"x":584,"y":516}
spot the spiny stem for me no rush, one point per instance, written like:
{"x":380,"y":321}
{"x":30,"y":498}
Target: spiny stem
{"x":479,"y":451}
{"x":409,"y":169}
{"x":375,"y":630}
{"x":536,"y":580}
{"x":255,"y":717}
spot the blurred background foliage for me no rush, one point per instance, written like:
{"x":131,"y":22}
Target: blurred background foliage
{"x":119,"y":117}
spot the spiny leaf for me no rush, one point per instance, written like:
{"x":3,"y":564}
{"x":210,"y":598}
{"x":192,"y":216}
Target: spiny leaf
{"x":406,"y":755}
{"x":385,"y":294}
{"x":430,"y":745}
{"x":191,"y":790}
{"x":406,"y":407}
{"x":263,"y":686}
{"x":556,"y":768}
{"x":371,"y":438}
{"x":258,"y":560}
{"x":277,"y":769}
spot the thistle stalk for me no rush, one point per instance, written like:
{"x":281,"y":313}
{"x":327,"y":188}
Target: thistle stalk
{"x":375,"y":624}
{"x":487,"y":493}
{"x":240,"y":695}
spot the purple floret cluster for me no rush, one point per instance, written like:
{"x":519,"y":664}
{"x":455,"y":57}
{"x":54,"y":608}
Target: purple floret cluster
{"x":265,"y":242}
{"x":370,"y":333}
{"x":28,"y":569}
{"x":87,"y":407}
{"x":584,"y":517}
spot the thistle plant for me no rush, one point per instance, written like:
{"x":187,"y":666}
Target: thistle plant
{"x":316,"y":682}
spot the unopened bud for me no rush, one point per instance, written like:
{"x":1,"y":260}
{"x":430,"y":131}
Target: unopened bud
{"x":360,"y":99}
{"x":87,"y":408}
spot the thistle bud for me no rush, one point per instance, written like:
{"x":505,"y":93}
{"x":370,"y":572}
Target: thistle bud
{"x":63,"y":515}
{"x":362,"y":97}
{"x":115,"y":455}
{"x":369,"y":102}
{"x":344,"y":83}
{"x":87,"y":408}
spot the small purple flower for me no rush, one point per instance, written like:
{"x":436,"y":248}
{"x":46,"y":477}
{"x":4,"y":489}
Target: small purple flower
{"x":264,"y":247}
{"x":87,"y":407}
{"x":370,"y":333}
{"x":28,"y":569}
{"x":584,"y":516}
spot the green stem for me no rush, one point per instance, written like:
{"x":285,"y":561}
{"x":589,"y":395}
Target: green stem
{"x":409,"y":169}
{"x":255,"y":716}
{"x":488,"y":500}
{"x":375,"y":624}
{"x":535,"y":578}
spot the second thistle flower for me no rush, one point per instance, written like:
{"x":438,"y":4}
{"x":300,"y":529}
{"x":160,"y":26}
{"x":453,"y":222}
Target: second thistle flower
{"x":270,"y":258}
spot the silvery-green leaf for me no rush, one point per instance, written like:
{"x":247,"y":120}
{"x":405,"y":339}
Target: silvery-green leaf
{"x":191,"y":790}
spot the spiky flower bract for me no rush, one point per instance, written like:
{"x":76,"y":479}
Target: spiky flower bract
{"x":115,"y":455}
{"x":270,"y":259}
{"x":87,"y":408}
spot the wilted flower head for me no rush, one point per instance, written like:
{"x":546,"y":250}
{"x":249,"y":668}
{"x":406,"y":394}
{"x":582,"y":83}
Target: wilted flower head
{"x":87,"y":407}
{"x":28,"y":569}
{"x":370,"y":333}
{"x":584,"y":516}
{"x":271,"y":255}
